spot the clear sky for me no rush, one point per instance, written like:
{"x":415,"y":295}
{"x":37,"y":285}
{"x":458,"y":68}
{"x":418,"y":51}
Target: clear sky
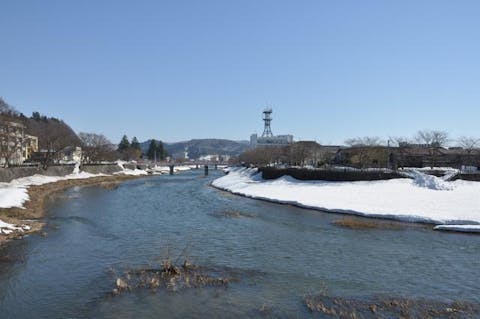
{"x":178,"y":69}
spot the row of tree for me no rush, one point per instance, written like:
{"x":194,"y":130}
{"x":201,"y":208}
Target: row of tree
{"x":55,"y":136}
{"x":427,"y":147}
{"x":426,"y":138}
{"x":296,"y":154}
{"x":97,"y":148}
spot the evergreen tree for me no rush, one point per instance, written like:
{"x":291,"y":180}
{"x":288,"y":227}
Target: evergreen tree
{"x":152,"y":150}
{"x":36,"y":116}
{"x":135,"y":144}
{"x":161,"y":152}
{"x":156,"y":150}
{"x":124,"y":144}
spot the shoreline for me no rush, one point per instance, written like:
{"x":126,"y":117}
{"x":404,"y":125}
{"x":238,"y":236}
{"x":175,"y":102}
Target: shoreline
{"x":339,"y":213}
{"x":346,"y":214}
{"x":240,"y":186}
{"x":35,"y":208}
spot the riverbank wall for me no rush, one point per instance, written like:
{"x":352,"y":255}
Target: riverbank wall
{"x":467,"y":177}
{"x":346,"y":175}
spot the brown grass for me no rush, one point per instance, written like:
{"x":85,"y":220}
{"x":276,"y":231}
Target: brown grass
{"x":363,"y":223}
{"x":389,"y":307}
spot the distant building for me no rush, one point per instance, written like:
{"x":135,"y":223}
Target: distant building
{"x":267,"y":138}
{"x":15,"y":145}
{"x":70,"y":154}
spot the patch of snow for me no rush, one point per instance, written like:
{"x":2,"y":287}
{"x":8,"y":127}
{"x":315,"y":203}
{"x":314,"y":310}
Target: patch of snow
{"x":430,"y":181}
{"x":15,"y":193}
{"x":6,"y":228}
{"x":447,"y":169}
{"x":121,"y":163}
{"x":76,"y":170}
{"x":400,"y":199}
{"x":132,"y":172}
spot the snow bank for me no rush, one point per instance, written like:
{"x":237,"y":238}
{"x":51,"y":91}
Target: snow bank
{"x":430,"y":181}
{"x":459,"y":228}
{"x":166,"y":169}
{"x":132,"y":172}
{"x":420,"y":200}
{"x":15,"y":194}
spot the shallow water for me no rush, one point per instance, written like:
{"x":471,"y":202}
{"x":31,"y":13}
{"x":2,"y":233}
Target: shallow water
{"x":280,"y":254}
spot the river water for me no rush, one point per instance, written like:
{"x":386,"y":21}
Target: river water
{"x":280,"y":254}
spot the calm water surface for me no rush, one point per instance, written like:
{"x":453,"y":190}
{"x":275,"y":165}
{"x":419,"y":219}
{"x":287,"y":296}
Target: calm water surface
{"x":282,"y":253}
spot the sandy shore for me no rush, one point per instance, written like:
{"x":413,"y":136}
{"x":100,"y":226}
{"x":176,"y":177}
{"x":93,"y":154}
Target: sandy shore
{"x":34,"y":211}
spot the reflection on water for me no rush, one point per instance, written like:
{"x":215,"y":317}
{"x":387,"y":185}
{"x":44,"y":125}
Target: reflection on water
{"x":292,"y":252}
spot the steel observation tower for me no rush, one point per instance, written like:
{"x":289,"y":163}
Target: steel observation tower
{"x":267,"y":118}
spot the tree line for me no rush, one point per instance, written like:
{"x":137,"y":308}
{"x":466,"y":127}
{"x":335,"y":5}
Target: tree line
{"x":97,"y":148}
{"x":55,"y":136}
{"x":371,"y":151}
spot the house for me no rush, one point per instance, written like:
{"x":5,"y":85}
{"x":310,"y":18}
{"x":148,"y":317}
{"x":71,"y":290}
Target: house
{"x":70,"y":154}
{"x":15,"y":145}
{"x":411,"y":155}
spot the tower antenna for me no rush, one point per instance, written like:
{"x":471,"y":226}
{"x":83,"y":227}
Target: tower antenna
{"x":267,"y":118}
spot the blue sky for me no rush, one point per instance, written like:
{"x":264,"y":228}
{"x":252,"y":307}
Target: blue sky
{"x":194,"y":69}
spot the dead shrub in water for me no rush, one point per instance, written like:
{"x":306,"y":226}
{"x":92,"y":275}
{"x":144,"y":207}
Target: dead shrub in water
{"x":359,"y":223}
{"x":172,"y":277}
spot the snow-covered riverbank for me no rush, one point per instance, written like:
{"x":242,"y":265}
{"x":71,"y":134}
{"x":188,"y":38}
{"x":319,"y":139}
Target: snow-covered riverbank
{"x":15,"y":193}
{"x":425,"y":199}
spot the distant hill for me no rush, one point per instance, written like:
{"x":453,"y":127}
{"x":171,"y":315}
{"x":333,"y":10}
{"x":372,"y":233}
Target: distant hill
{"x":200,"y":147}
{"x":47,"y":129}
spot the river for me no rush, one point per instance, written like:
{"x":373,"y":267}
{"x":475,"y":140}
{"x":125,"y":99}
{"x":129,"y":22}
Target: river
{"x":279,"y":253}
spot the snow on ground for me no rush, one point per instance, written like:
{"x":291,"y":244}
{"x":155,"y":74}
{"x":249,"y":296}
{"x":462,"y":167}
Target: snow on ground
{"x":132,"y":172}
{"x":422,"y":199}
{"x":166,"y":169}
{"x":459,"y":228}
{"x":15,"y":193}
{"x":430,"y":181}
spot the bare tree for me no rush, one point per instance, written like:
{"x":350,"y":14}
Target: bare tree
{"x":95,"y":148}
{"x":365,"y":148}
{"x":399,"y":141}
{"x":469,"y":144}
{"x":434,"y":140}
{"x":6,"y":110}
{"x":262,"y":156}
{"x":364,"y":141}
{"x":53,"y":141}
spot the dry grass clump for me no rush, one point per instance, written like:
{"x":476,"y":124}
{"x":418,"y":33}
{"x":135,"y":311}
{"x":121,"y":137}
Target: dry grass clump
{"x":232,"y":214}
{"x":363,"y":223}
{"x":172,"y":277}
{"x":390,"y":308}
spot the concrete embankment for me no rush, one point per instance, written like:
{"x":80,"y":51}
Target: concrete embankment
{"x":11,"y":173}
{"x":328,"y":175}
